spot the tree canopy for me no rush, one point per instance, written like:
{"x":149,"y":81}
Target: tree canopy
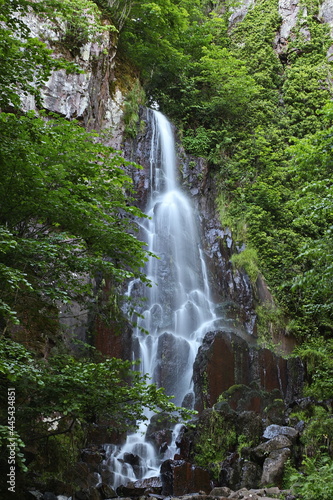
{"x":66,"y":218}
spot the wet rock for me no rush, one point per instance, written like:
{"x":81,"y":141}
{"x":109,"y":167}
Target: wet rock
{"x":180,"y":477}
{"x":159,"y":422}
{"x":160,"y":439}
{"x":106,"y":491}
{"x":150,"y":486}
{"x":184,"y":441}
{"x":274,"y":466}
{"x":272,"y":491}
{"x":132,"y":459}
{"x":34,"y":495}
{"x":273,"y":431}
{"x":91,"y":493}
{"x":173,"y":355}
{"x":82,"y":477}
{"x":130,"y":490}
{"x":92,"y":457}
{"x":49,"y":496}
{"x":222,"y":361}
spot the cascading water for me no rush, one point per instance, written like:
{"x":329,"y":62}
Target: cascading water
{"x":177,"y":311}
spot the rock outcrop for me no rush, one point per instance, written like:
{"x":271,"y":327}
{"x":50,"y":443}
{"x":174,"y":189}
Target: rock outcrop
{"x":226,"y":360}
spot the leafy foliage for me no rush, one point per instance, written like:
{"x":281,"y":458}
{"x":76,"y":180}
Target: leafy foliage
{"x":57,"y":398}
{"x":315,"y":481}
{"x":63,"y":210}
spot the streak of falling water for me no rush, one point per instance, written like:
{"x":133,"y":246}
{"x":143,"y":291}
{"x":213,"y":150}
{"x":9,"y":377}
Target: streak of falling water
{"x":178,"y":310}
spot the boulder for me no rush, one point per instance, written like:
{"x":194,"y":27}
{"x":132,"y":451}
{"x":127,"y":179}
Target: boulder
{"x":93,"y":457}
{"x":263,"y":450}
{"x":180,"y":477}
{"x":243,"y":494}
{"x":274,"y":466}
{"x":160,"y":439}
{"x":132,"y":489}
{"x":106,"y":491}
{"x":221,"y":491}
{"x":250,"y":474}
{"x":91,"y":493}
{"x":48,"y":495}
{"x":273,"y":431}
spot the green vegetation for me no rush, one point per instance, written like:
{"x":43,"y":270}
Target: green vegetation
{"x":66,"y":218}
{"x":261,"y":118}
{"x":59,"y":399}
{"x":315,"y":480}
{"x":216,"y":436}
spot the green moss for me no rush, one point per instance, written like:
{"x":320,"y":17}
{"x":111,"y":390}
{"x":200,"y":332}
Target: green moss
{"x":248,"y":261}
{"x":134,"y":99}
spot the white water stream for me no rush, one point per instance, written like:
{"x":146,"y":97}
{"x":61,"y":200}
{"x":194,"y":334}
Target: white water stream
{"x":178,"y":310}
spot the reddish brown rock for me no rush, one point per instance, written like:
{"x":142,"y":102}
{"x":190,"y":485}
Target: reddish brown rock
{"x":180,"y":477}
{"x":225,"y":360}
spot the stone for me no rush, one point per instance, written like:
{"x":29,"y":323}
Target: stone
{"x":160,"y":439}
{"x":151,"y":487}
{"x":264,"y":449}
{"x":228,"y":362}
{"x":34,"y":495}
{"x":250,"y":474}
{"x":272,"y":491}
{"x":159,"y":422}
{"x":222,"y":361}
{"x":132,"y":459}
{"x":173,"y":353}
{"x":231,"y":471}
{"x":242,"y":493}
{"x":180,"y":477}
{"x":49,"y":496}
{"x":221,"y":491}
{"x":91,"y":493}
{"x":106,"y":491}
{"x":273,"y":431}
{"x":274,"y":466}
{"x":92,"y":457}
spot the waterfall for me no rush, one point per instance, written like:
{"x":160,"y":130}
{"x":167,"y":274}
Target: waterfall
{"x":177,"y":311}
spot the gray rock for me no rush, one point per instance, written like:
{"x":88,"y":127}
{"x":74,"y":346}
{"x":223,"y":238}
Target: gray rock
{"x":264,"y":449}
{"x":272,"y":491}
{"x":221,"y":491}
{"x":243,"y":493}
{"x":274,"y":466}
{"x":273,"y":431}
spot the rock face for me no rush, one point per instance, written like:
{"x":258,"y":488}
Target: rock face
{"x":225,"y":360}
{"x":180,"y":477}
{"x":85,"y":96}
{"x":229,"y":287}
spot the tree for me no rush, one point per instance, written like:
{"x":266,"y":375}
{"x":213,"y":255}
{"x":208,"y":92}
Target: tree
{"x":64,"y":213}
{"x":64,"y":206}
{"x":57,"y":400}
